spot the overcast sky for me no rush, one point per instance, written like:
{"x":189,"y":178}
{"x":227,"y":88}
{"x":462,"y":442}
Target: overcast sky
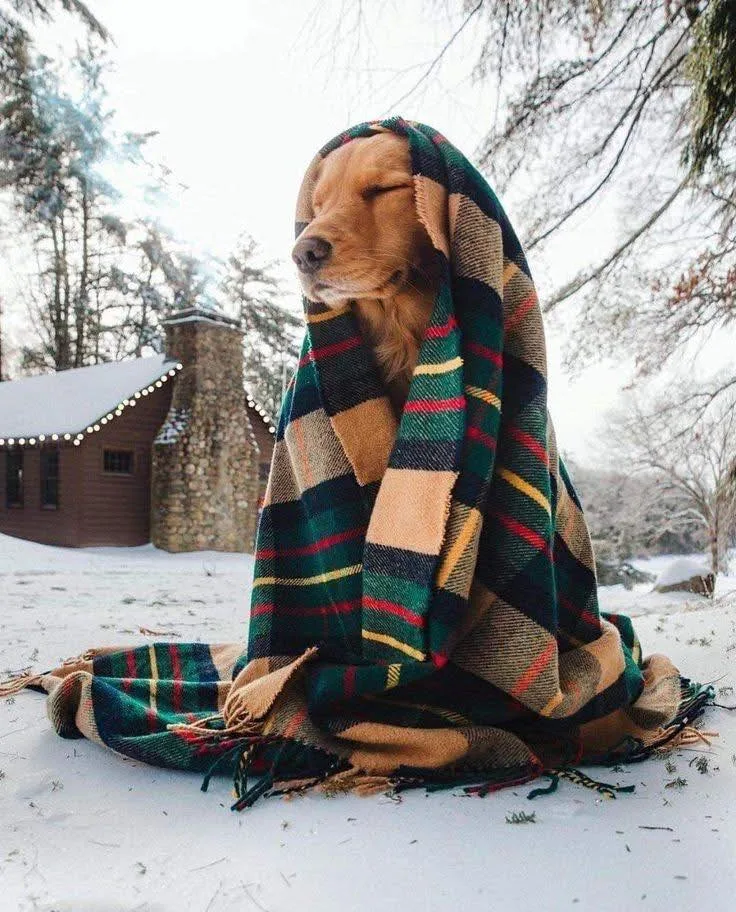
{"x":242,"y":93}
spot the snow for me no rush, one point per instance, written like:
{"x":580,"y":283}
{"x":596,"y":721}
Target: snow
{"x":174,"y":426}
{"x":84,"y":830}
{"x":681,"y":570}
{"x":70,"y":401}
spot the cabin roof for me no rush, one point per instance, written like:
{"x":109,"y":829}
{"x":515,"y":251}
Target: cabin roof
{"x":71,"y":402}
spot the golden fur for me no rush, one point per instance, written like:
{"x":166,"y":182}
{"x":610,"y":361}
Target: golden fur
{"x":381,"y":260}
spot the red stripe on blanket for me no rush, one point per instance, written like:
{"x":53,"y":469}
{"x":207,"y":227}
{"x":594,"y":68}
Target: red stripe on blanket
{"x":522,"y":531}
{"x":587,"y":616}
{"x":349,"y":681}
{"x":176,"y":687}
{"x":474,"y":433}
{"x":130,"y":664}
{"x":296,"y":721}
{"x":530,"y":443}
{"x":393,"y":608}
{"x":484,"y":352}
{"x":456,"y":404}
{"x":326,"y":351}
{"x":337,"y":348}
{"x":327,"y":542}
{"x":534,"y":670}
{"x":440,"y":332}
{"x":334,"y":607}
{"x":521,"y":311}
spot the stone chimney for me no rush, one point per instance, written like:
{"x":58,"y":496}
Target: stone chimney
{"x":205,"y":459}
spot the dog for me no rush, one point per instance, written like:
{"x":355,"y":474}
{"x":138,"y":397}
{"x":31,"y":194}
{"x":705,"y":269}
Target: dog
{"x":366,"y":248}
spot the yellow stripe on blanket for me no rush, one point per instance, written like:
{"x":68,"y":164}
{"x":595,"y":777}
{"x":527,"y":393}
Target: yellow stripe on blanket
{"x":394,"y":644}
{"x":393,"y":674}
{"x":444,"y":368}
{"x":308,"y":580}
{"x":531,"y":492}
{"x":457,"y":550}
{"x":327,"y":315}
{"x":484,"y":395}
{"x":508,"y":271}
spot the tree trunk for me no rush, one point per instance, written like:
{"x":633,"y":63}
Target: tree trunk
{"x":60,"y":329}
{"x":2,"y":366}
{"x":81,"y":306}
{"x":67,"y":298}
{"x":715,"y":542}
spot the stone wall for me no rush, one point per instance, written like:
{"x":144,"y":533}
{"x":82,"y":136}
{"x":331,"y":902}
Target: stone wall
{"x":205,"y":458}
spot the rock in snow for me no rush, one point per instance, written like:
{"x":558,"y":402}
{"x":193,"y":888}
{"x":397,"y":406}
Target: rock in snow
{"x":686,"y":575}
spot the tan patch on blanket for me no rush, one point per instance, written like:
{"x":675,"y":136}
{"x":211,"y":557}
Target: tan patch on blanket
{"x":411,"y":510}
{"x":493,"y":649}
{"x":367,"y":433}
{"x":431,"y":202}
{"x":478,"y":251}
{"x":383,"y":748}
{"x":315,"y":464}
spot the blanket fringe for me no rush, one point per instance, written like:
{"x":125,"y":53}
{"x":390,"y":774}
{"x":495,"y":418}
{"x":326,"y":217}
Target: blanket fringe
{"x":681,"y":731}
{"x":27,"y":678}
{"x":243,"y":743}
{"x":577,"y":777}
{"x":356,"y":782}
{"x":16,"y":683}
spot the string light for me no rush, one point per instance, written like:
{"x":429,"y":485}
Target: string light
{"x":263,"y":414}
{"x":105,"y":419}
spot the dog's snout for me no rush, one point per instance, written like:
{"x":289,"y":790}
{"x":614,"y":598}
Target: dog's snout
{"x":311,"y":253}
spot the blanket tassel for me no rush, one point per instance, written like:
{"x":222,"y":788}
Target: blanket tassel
{"x":19,"y":682}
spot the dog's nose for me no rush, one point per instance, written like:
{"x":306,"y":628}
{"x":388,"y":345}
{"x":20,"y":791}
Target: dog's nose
{"x":311,"y":253}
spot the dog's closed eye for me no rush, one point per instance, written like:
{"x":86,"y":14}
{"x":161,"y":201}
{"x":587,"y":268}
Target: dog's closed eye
{"x":375,"y":190}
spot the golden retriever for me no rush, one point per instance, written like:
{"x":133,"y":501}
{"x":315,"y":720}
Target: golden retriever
{"x":367,"y":248}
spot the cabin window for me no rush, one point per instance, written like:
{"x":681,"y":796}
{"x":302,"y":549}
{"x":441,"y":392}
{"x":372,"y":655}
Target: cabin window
{"x":118,"y":462}
{"x":49,"y":479}
{"x":14,"y":478}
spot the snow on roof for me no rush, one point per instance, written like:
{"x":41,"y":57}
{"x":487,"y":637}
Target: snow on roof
{"x":69,"y":401}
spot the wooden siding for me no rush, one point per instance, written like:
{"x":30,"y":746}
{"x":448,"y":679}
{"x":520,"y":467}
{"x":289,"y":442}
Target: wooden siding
{"x":265,"y":440}
{"x":95,"y":508}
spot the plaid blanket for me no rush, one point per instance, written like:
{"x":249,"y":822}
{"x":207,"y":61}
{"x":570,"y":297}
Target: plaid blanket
{"x":424,"y":607}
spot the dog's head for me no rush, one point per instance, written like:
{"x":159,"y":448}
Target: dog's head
{"x":365,"y":240}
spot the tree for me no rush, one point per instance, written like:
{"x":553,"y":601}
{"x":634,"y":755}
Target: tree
{"x":270,"y":342}
{"x":635,"y":514}
{"x":689,"y":454}
{"x":88,"y":299}
{"x":2,"y":345}
{"x":26,"y":12}
{"x":599,"y":103}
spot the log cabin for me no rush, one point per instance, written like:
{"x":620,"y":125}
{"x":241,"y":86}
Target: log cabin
{"x":168,"y":448}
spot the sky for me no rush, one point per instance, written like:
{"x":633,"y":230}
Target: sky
{"x":243,"y":92}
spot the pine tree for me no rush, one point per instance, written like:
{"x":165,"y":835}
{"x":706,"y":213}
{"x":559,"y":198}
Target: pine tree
{"x":87,"y":298}
{"x":270,"y":344}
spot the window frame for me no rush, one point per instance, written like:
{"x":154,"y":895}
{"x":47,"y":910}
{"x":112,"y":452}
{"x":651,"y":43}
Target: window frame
{"x":118,"y":472}
{"x":44,"y":478}
{"x":17,"y":455}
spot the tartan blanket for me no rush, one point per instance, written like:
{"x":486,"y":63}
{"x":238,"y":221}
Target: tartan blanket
{"x":424,"y":608}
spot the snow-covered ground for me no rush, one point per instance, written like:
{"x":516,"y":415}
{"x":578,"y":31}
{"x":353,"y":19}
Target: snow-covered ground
{"x":82,"y":830}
